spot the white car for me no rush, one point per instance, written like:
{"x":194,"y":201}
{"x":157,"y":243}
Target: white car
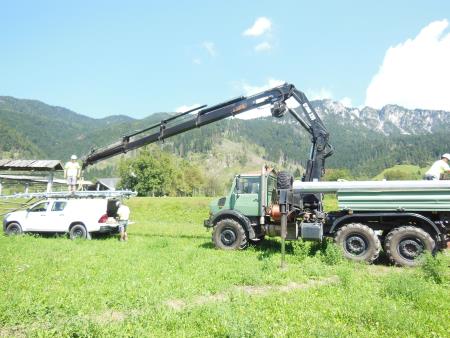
{"x":77,"y":217}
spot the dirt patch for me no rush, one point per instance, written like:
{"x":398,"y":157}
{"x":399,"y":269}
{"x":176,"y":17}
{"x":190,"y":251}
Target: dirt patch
{"x":108,"y":317}
{"x":178,"y":304}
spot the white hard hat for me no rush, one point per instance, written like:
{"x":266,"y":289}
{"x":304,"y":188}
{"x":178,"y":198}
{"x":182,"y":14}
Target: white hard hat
{"x":447,"y":156}
{"x":74,"y":157}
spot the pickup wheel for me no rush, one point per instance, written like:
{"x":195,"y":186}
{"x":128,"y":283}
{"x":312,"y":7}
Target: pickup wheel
{"x":405,"y":244}
{"x":358,"y":242}
{"x":229,"y":235}
{"x":79,"y":231}
{"x":13,"y":229}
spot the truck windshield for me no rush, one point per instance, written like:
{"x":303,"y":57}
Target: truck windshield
{"x":39,"y":207}
{"x":247,"y":185}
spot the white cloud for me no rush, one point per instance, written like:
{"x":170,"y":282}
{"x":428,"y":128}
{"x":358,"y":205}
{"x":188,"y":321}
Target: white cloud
{"x":249,"y":89}
{"x":416,"y":72}
{"x":197,"y":61}
{"x":322,"y":93}
{"x":183,"y":108}
{"x":210,"y":48}
{"x":327,"y":94}
{"x":263,"y":46}
{"x":260,"y":26}
{"x":346,"y":101}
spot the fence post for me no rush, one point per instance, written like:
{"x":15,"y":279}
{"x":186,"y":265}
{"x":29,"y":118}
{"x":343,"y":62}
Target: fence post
{"x":50,"y":182}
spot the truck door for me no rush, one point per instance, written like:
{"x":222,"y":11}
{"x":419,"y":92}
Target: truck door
{"x":57,"y":220}
{"x":36,"y":219}
{"x":246,"y":195}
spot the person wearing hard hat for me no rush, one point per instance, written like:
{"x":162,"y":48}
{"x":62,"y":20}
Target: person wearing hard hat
{"x":438,"y":168}
{"x":72,"y":171}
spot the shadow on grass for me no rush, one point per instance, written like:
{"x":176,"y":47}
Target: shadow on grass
{"x":266,"y":246}
{"x":65,"y":236}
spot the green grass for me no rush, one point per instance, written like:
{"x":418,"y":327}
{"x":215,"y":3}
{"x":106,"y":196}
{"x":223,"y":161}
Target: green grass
{"x":102,"y":287}
{"x":408,"y":171}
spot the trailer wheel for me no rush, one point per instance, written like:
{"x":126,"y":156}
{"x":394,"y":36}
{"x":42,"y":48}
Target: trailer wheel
{"x":358,"y":242}
{"x":405,"y":244}
{"x":229,"y":235}
{"x":284,"y":180}
{"x":13,"y":229}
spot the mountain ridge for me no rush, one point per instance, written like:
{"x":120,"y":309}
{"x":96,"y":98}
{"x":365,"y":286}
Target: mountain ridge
{"x":365,"y":139}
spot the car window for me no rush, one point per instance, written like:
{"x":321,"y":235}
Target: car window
{"x":248,"y":185}
{"x":39,"y":207}
{"x":59,"y":206}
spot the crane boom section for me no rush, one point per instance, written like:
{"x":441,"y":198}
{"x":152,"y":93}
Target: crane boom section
{"x":275,"y":98}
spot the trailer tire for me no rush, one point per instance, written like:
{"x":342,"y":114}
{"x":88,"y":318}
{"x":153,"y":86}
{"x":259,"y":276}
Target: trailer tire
{"x":284,"y":180}
{"x":13,"y":229}
{"x":229,"y":234}
{"x":358,"y":242}
{"x":405,"y":244}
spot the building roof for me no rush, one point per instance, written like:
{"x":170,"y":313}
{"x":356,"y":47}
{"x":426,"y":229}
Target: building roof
{"x":31,"y":165}
{"x":109,"y":183}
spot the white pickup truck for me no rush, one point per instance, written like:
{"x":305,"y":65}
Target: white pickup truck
{"x":77,"y":217}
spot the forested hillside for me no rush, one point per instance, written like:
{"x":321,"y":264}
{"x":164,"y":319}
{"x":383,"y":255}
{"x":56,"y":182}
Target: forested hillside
{"x":366,"y":141}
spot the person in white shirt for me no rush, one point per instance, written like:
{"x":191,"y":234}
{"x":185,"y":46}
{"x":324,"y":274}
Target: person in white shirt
{"x":438,"y":168}
{"x":72,"y":171}
{"x":123,"y":214}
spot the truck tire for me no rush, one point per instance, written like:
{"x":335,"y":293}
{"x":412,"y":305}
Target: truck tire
{"x":13,"y":229}
{"x":284,"y":180}
{"x":405,"y":244}
{"x":79,"y":231}
{"x":229,"y":234}
{"x":358,"y":242}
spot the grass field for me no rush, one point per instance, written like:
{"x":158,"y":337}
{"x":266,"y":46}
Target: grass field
{"x":168,"y":280}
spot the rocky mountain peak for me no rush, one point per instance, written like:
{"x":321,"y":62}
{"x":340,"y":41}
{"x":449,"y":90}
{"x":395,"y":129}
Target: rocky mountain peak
{"x":391,"y":119}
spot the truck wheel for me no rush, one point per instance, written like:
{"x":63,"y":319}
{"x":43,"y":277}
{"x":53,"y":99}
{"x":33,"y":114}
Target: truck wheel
{"x":229,"y":235}
{"x":359,"y":242}
{"x":284,"y":180}
{"x":405,"y":244}
{"x":79,"y":231}
{"x":13,"y":229}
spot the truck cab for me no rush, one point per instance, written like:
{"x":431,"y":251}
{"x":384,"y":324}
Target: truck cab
{"x":245,"y":195}
{"x":245,"y":206}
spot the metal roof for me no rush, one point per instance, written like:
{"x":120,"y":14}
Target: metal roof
{"x":31,"y":165}
{"x":110,"y":183}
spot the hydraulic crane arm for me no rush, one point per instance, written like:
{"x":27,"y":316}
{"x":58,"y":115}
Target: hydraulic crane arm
{"x":201,"y":116}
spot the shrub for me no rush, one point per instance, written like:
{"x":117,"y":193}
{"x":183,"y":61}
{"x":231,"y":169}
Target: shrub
{"x":332,"y":254}
{"x":435,"y":268}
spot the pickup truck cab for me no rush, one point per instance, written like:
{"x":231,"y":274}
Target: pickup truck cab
{"x":77,"y":217}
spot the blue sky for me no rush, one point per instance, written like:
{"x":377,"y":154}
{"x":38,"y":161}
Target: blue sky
{"x":137,"y":57}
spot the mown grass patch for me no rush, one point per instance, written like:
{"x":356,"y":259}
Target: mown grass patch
{"x":57,"y":287}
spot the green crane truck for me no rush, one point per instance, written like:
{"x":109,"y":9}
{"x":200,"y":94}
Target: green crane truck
{"x":269,"y":204}
{"x":404,"y":217}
